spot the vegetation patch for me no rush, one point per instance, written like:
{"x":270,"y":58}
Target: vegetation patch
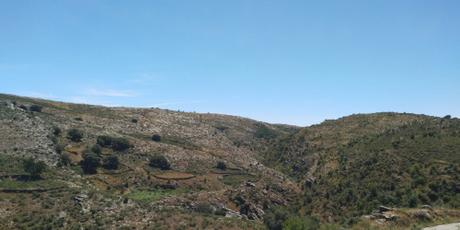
{"x":265,"y":132}
{"x":180,"y":142}
{"x":160,"y":162}
{"x":75,"y":135}
{"x":147,"y":196}
{"x":115,"y":143}
{"x":234,"y":180}
{"x":11,"y":184}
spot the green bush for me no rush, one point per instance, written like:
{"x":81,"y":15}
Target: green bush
{"x":35,"y":169}
{"x":116,"y":143}
{"x":56,"y":131}
{"x":274,"y":218}
{"x":221,"y":165}
{"x":35,"y":108}
{"x":156,"y":138}
{"x":65,"y":160}
{"x":159,"y":161}
{"x":111,"y":162}
{"x":120,"y":144}
{"x":75,"y":135}
{"x":90,"y":163}
{"x":104,"y":141}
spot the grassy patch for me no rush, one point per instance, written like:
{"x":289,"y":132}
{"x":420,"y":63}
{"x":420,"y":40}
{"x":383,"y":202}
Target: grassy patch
{"x":234,"y":180}
{"x":147,"y":196}
{"x":10,"y":165}
{"x":180,"y":142}
{"x":15,"y":184}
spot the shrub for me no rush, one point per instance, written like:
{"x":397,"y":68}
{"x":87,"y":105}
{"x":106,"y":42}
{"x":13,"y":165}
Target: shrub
{"x":204,"y":208}
{"x":65,"y":160}
{"x":96,"y":149}
{"x":111,"y":162}
{"x":75,"y":135}
{"x":104,"y":141}
{"x":120,"y":144}
{"x":160,"y":162}
{"x":412,"y":201}
{"x":56,"y":131}
{"x":156,"y":138}
{"x":35,"y":169}
{"x":274,"y":218}
{"x":59,"y":148}
{"x":90,"y":163}
{"x":221,"y":165}
{"x":117,"y":144}
{"x":35,"y":108}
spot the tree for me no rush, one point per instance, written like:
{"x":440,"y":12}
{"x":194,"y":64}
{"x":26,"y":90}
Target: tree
{"x":111,"y":162}
{"x":160,"y":162}
{"x":221,"y":165}
{"x":117,"y":144}
{"x":90,"y":163}
{"x":120,"y":144}
{"x":35,"y":169}
{"x":156,"y":138}
{"x":35,"y":108}
{"x":75,"y":135}
{"x":56,"y":131}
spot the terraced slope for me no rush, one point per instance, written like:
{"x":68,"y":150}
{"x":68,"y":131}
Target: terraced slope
{"x":133,"y":194}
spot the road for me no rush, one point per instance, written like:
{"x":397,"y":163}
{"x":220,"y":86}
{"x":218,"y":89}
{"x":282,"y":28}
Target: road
{"x":455,"y":226}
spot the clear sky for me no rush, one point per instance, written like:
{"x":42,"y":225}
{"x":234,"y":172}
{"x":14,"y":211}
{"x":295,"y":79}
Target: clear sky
{"x":285,"y":61}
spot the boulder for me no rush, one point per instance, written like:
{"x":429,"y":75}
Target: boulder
{"x":384,"y":209}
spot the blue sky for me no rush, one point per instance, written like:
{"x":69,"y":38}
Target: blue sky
{"x":294,"y":62}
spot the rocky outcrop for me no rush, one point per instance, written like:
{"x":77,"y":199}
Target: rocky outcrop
{"x":25,"y":134}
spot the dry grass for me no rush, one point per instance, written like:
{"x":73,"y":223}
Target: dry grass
{"x":174,"y":176}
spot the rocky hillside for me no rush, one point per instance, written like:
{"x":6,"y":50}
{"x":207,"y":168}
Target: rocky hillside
{"x":135,"y":193}
{"x":112,"y":168}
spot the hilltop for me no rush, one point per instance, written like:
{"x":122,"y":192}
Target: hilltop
{"x":152,"y":168}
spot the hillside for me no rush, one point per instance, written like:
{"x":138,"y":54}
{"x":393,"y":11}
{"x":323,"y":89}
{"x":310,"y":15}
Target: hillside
{"x":352,"y":165}
{"x":192,"y":143}
{"x":111,"y":168}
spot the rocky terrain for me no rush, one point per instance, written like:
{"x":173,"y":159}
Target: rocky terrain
{"x":128,"y":168}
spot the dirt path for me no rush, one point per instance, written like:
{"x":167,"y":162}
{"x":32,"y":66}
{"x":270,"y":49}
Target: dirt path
{"x":455,"y":226}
